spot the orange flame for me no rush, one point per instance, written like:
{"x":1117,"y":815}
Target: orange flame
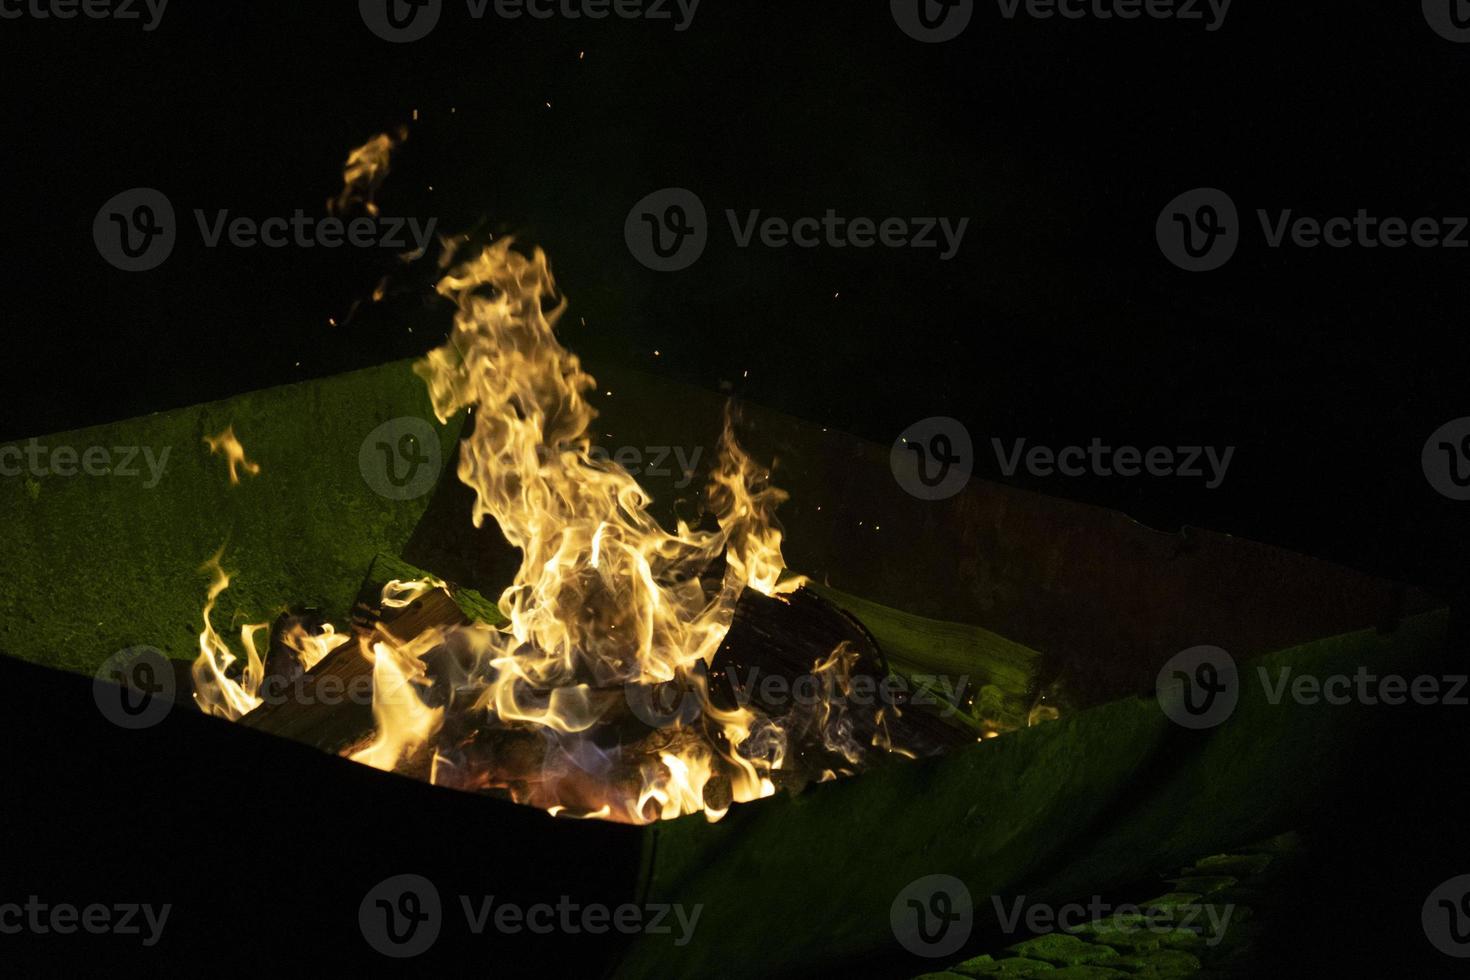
{"x":605,"y":597}
{"x":366,"y":169}
{"x":227,"y":445}
{"x":216,"y":691}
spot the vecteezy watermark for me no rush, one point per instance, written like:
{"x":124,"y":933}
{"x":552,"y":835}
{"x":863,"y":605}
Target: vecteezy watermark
{"x":932,"y":459}
{"x":402,"y":21}
{"x":1446,"y":459}
{"x":1099,"y":459}
{"x":136,"y":230}
{"x":652,"y":461}
{"x":1449,"y":19}
{"x":40,"y":918}
{"x":671,"y":704}
{"x":1200,"y":230}
{"x":1210,"y":13}
{"x":862,"y":690}
{"x":34,"y":459}
{"x":401,"y":459}
{"x":932,"y":21}
{"x":123,"y":10}
{"x":1446,"y":917}
{"x":1198,"y":688}
{"x":134,"y":688}
{"x":936,"y":21}
{"x":932,"y":916}
{"x":1039,"y":918}
{"x":403,"y":916}
{"x":669,"y":230}
{"x":1201,"y":687}
{"x":1363,"y":687}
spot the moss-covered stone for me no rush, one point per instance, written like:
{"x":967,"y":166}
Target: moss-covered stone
{"x":1169,"y":902}
{"x":1236,"y":865}
{"x":1204,"y":885}
{"x":1064,"y":949}
{"x":1019,"y":966}
{"x":1163,"y":963}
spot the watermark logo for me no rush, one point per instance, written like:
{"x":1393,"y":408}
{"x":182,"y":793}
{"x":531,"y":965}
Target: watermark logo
{"x":1097,"y":458}
{"x":1363,"y":687}
{"x":136,"y":230}
{"x":1446,"y":917}
{"x":667,"y":704}
{"x":401,"y":916}
{"x":1199,"y":230}
{"x":1211,"y":12}
{"x":1199,"y":687}
{"x":943,"y":693}
{"x":933,"y":916}
{"x":91,"y":9}
{"x":40,"y":918}
{"x":668,"y":230}
{"x":401,"y":459}
{"x":401,"y":21}
{"x":134,"y":688}
{"x":34,"y":459}
{"x":1038,"y":918}
{"x":653,"y":461}
{"x":1450,"y":19}
{"x":933,"y":21}
{"x":932,"y":459}
{"x":1446,"y":459}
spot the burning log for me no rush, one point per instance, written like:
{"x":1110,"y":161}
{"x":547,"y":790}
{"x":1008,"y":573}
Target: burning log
{"x":796,"y":659}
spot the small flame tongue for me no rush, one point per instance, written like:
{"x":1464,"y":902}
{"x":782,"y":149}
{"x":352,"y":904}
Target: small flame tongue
{"x":605,"y":597}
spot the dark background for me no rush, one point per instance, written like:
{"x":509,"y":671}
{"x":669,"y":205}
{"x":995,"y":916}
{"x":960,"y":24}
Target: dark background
{"x":1059,"y":320}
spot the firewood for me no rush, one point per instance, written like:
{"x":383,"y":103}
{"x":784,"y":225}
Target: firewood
{"x":792,"y":638}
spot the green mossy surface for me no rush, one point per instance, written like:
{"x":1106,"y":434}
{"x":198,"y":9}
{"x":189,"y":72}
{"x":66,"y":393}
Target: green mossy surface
{"x":95,"y":564}
{"x":1074,"y":807}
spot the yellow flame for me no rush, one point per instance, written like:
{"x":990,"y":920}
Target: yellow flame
{"x":366,"y":168}
{"x":227,"y":445}
{"x":216,"y":692}
{"x":605,"y":596}
{"x":404,"y":722}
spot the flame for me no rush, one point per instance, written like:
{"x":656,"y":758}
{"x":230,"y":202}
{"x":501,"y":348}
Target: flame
{"x":366,"y":168}
{"x":605,"y":597}
{"x":312,"y":648}
{"x":227,"y":445}
{"x":606,"y":602}
{"x":215,"y":690}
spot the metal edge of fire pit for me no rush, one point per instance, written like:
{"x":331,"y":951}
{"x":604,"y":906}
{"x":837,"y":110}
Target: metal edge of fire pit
{"x":1067,"y":808}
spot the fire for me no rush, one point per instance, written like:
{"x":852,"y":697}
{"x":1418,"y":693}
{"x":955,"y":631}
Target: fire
{"x":215,"y":689}
{"x":230,"y":694}
{"x":366,"y":168}
{"x":607,"y":614}
{"x":605,"y":597}
{"x":227,"y":445}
